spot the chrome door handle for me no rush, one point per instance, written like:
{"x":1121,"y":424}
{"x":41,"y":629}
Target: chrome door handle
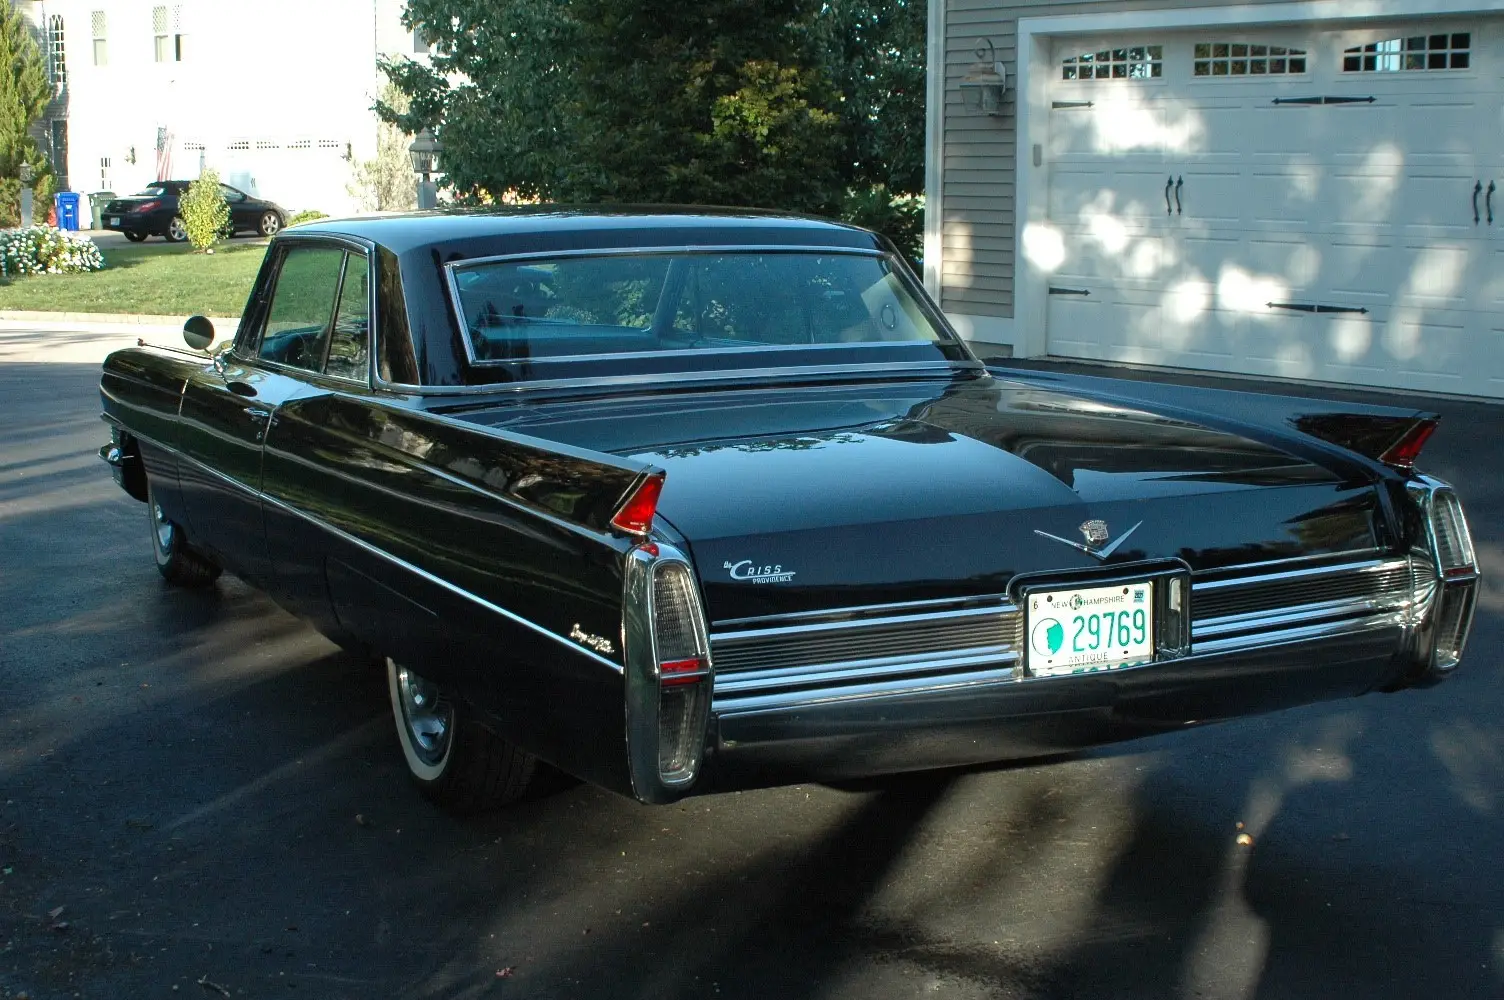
{"x":256,"y":413}
{"x":1169,"y":183}
{"x":1477,"y":190}
{"x":1178,"y":181}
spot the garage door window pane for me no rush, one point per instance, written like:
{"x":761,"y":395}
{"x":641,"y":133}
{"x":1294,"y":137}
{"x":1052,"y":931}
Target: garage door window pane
{"x":1239,"y":59}
{"x":1415,"y":53}
{"x":1134,"y":62}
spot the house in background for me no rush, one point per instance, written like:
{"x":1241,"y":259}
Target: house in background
{"x":274,"y":94}
{"x":1311,"y":190}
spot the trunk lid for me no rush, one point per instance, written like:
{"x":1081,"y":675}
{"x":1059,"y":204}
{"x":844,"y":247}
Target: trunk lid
{"x":800,"y":499}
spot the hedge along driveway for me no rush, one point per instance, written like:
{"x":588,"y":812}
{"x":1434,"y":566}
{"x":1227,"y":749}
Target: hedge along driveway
{"x":159,"y":279}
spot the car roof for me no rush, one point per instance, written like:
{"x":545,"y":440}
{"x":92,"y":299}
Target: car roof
{"x":584,"y":227}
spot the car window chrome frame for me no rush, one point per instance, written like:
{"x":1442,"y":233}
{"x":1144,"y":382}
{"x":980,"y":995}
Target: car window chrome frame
{"x":247,"y":345}
{"x":906,"y":278}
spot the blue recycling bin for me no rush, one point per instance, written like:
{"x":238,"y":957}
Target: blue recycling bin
{"x":67,"y":209}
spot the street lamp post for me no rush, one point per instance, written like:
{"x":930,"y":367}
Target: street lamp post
{"x":27,"y":176}
{"x":425,"y":152}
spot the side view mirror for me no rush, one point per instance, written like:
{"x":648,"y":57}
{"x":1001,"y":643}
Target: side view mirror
{"x":198,"y":332}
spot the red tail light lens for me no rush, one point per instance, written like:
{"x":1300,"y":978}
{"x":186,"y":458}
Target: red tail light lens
{"x":673,"y":673}
{"x":147,"y":206}
{"x":635,"y":516}
{"x":1403,"y":453}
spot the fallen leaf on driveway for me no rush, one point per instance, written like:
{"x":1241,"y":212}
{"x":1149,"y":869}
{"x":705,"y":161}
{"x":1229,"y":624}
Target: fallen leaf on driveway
{"x":506,"y":973}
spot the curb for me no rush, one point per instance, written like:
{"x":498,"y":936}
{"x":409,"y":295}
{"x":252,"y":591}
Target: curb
{"x":133,"y":319}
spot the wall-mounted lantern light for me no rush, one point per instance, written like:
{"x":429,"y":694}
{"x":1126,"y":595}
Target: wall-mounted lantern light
{"x":984,"y":84}
{"x":130,"y":155}
{"x":425,"y":152}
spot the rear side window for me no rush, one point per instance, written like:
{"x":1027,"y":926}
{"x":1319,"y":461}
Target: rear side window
{"x":301,"y":314}
{"x":352,"y":321}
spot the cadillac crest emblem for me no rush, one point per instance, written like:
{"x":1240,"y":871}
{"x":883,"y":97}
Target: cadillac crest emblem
{"x":1095,"y":532}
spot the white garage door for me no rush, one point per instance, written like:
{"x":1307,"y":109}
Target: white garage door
{"x":1290,"y":203}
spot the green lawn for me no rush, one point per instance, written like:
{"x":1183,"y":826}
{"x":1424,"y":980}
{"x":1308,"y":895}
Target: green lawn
{"x":156,"y":279}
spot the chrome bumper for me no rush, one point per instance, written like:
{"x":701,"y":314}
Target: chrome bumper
{"x":860,"y":735}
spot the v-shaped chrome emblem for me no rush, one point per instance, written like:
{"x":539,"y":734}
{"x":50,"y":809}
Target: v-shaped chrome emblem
{"x":1092,"y":550}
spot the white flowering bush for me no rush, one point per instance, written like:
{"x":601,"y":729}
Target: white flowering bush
{"x":44,"y":250}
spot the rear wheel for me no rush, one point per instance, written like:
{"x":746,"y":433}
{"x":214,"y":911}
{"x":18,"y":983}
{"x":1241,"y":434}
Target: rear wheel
{"x":270,"y":224}
{"x":455,"y":760}
{"x":175,"y":231}
{"x":135,"y":237}
{"x":179,"y":565}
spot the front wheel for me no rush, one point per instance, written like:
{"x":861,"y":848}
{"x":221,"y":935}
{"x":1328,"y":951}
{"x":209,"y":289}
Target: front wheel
{"x":455,"y":760}
{"x":270,"y":224}
{"x":176,"y":233}
{"x":179,"y":565}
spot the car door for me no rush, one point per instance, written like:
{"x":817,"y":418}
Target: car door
{"x":228,"y":410}
{"x":306,"y":480}
{"x":244,"y":211}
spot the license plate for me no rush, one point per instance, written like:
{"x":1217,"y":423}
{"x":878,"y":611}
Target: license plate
{"x":1091,"y":629}
{"x":112,"y":220}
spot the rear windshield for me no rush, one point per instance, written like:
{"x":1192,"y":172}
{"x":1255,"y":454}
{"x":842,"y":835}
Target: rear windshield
{"x":655,"y":303}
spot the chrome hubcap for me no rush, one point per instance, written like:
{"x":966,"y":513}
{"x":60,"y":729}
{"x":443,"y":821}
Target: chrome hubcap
{"x":270,"y":224}
{"x":178,"y":232}
{"x":163,"y":528}
{"x":427,"y":714}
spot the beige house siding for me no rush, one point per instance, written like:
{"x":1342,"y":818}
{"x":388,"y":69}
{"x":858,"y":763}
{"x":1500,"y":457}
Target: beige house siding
{"x":977,"y":165}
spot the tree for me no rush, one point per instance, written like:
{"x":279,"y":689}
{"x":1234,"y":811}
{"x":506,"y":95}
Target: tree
{"x":204,"y":211}
{"x":715,"y":102}
{"x":385,"y":184}
{"x":24,"y":93}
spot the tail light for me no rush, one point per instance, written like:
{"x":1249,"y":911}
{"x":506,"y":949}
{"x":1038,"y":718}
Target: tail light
{"x":635,"y":515}
{"x":1452,"y":577}
{"x":669,"y":675}
{"x":147,"y":206}
{"x":1403,"y":453}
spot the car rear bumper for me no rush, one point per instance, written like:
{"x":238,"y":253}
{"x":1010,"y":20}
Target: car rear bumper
{"x":854,"y":737}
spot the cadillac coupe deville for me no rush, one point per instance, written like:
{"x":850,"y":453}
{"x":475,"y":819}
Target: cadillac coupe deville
{"x":681,"y":501}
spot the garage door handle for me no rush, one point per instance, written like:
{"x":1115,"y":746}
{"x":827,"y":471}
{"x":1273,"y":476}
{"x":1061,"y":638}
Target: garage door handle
{"x":1317,"y":307}
{"x":1488,"y":201}
{"x":1477,"y":190}
{"x":1169,"y":183}
{"x":1178,"y":181}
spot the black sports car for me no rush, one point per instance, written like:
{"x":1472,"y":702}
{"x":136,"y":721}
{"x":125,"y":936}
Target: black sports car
{"x":154,"y":212}
{"x":680,"y":502}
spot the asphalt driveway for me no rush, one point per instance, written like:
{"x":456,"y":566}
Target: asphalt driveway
{"x":201,"y":797}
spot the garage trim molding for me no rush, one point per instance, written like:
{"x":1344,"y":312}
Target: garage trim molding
{"x":1026,"y":332}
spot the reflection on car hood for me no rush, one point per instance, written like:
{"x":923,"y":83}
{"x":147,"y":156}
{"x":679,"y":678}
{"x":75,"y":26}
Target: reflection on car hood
{"x":901,"y":491}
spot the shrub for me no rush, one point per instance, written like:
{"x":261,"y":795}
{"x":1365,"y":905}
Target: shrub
{"x":307,"y":215}
{"x":898,"y":217}
{"x":205,"y":213}
{"x":44,"y":250}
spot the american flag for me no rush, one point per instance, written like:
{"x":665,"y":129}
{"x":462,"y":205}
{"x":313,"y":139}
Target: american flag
{"x":164,"y":154}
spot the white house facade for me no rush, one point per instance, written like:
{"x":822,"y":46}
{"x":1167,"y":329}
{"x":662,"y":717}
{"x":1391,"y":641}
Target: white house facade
{"x":274,"y":94}
{"x":1311,"y":190}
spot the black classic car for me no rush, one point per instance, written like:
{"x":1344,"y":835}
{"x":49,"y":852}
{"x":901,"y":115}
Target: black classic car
{"x":154,"y":212}
{"x":678,"y":502}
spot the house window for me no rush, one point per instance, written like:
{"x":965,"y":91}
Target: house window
{"x":57,"y":65}
{"x":1140,"y":62}
{"x":101,"y":49}
{"x":160,"y":36}
{"x":58,"y":153}
{"x":1240,"y":59}
{"x":1418,"y":52}
{"x":420,"y":42}
{"x":178,"y":35}
{"x":104,"y":173}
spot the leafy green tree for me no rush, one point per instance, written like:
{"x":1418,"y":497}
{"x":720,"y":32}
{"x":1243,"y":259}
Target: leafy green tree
{"x":24,"y":93}
{"x":715,"y":102}
{"x":204,"y":211}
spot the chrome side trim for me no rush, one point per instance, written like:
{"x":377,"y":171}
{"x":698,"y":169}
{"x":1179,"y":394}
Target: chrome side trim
{"x":853,"y":612}
{"x":707,"y":248}
{"x":398,"y":561}
{"x":1290,"y":561}
{"x":778,"y":701}
{"x":732,"y":683}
